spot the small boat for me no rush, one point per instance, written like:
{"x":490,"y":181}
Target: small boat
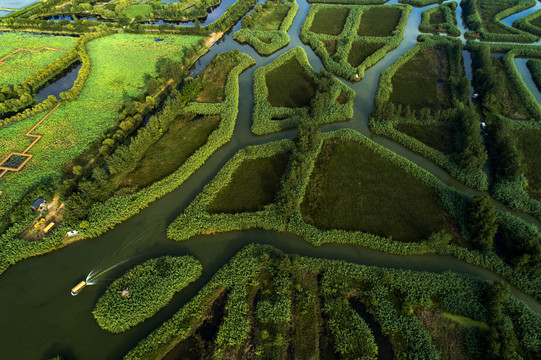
{"x":77,"y":288}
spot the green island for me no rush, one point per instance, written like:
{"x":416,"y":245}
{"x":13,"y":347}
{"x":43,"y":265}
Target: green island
{"x":270,"y":179}
{"x":143,"y":290}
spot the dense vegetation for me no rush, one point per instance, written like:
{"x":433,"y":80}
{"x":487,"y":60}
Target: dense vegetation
{"x":143,"y":290}
{"x":482,"y":18}
{"x":266,"y":27}
{"x":288,"y":91}
{"x":434,"y":68}
{"x":135,"y":126}
{"x":261,"y":296}
{"x":449,"y":233}
{"x":362,"y":35}
{"x":86,"y":117}
{"x":440,"y":19}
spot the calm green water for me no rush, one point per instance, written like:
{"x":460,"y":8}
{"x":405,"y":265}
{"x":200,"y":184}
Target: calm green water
{"x":41,"y":319}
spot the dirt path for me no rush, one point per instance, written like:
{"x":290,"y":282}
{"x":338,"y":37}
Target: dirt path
{"x":213,"y":38}
{"x":37,"y":137}
{"x":30,"y":50}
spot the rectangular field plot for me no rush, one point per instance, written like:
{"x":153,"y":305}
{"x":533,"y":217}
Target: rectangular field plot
{"x":329,"y":21}
{"x":14,"y":162}
{"x":379,"y":21}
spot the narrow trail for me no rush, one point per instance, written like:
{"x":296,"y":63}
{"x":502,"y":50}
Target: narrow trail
{"x":29,"y":50}
{"x":24,"y":153}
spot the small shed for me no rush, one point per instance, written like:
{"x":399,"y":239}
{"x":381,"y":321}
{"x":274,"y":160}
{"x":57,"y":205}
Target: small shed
{"x":37,"y":205}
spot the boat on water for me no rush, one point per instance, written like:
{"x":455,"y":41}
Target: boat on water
{"x":77,"y":288}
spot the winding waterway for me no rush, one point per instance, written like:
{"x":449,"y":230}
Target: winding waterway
{"x":40,"y":318}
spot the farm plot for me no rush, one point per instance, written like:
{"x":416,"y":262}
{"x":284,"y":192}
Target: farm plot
{"x":350,"y":39}
{"x":253,"y":185}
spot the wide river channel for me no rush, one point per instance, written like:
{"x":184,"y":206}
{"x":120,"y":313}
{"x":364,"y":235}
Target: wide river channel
{"x":39,"y":317}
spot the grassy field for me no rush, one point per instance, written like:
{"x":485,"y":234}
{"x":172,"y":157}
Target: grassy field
{"x":360,"y":50}
{"x":118,"y":62}
{"x":213,"y":82}
{"x":354,"y":189}
{"x":423,"y":82}
{"x":172,"y":150}
{"x":254,"y":184}
{"x":438,"y":137}
{"x":536,"y":22}
{"x":142,"y":10}
{"x":23,"y":64}
{"x":530,"y":146}
{"x":379,"y":21}
{"x":268,"y":17}
{"x":290,"y":86}
{"x":330,"y":21}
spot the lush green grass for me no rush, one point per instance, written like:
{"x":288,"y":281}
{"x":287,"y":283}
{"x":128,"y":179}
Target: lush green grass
{"x":213,"y":81}
{"x":465,"y":321}
{"x":354,"y":189}
{"x":330,"y":21}
{"x":438,"y":137}
{"x":119,"y":65}
{"x":268,"y":17}
{"x":254,"y":184}
{"x":360,"y":50}
{"x":290,"y":85}
{"x":173,"y":148}
{"x":379,"y":21}
{"x":423,"y":82}
{"x":23,"y":64}
{"x":536,"y":22}
{"x":530,"y":145}
{"x":142,"y":9}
